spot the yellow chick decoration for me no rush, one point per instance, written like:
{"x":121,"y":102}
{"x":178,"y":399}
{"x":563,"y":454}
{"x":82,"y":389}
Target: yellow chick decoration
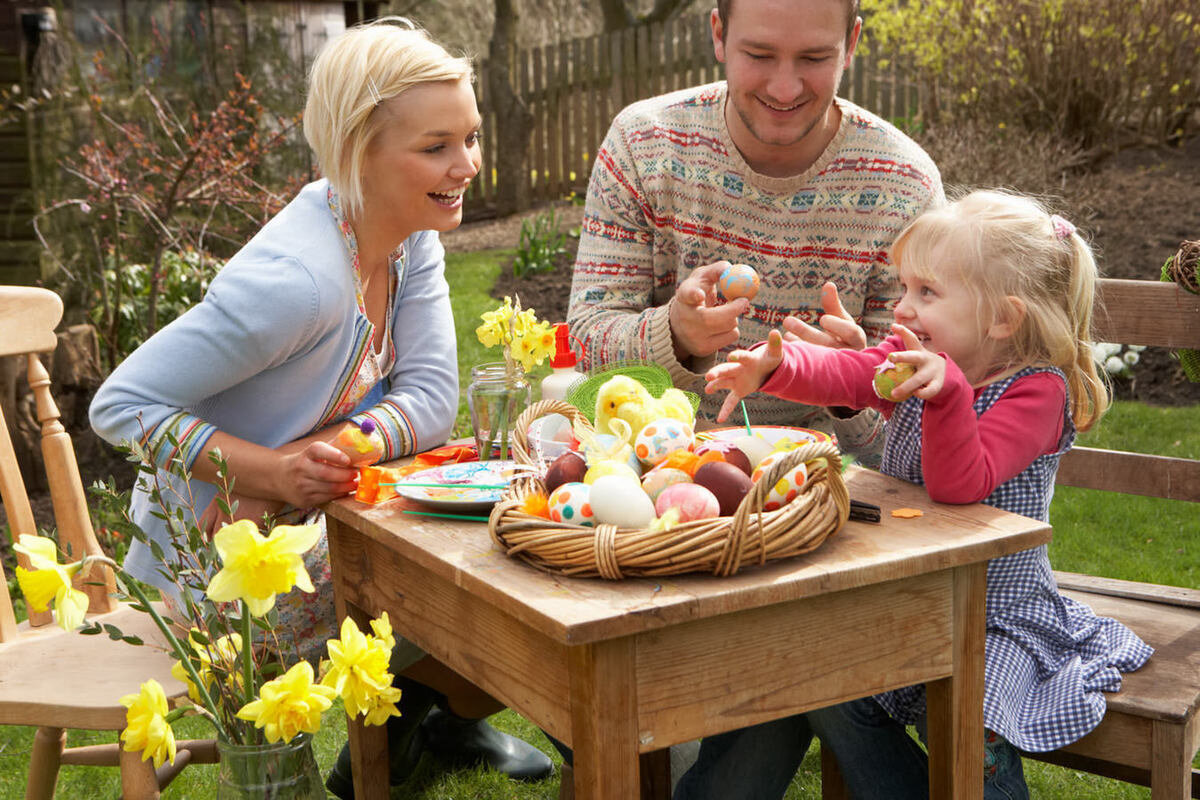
{"x":622,"y":397}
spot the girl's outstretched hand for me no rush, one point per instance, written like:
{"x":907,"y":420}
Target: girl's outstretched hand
{"x":930,"y":376}
{"x":743,"y":372}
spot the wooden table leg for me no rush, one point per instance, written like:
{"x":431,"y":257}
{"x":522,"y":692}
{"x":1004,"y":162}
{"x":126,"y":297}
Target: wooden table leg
{"x":955,"y":704}
{"x":655,"y":771}
{"x":604,"y":726}
{"x":368,"y":743}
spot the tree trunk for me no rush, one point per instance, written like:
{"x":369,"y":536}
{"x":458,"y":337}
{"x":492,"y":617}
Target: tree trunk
{"x":514,"y":121}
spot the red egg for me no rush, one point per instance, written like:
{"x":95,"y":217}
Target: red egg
{"x":727,"y":483}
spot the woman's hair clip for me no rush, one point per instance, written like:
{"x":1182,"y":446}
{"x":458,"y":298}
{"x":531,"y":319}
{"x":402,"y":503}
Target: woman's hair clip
{"x":1062,"y":228}
{"x":374,"y":90}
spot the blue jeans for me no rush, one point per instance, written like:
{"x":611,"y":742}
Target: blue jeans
{"x":877,"y":757}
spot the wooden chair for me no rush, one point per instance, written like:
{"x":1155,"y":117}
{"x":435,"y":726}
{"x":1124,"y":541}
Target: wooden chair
{"x":49,"y":678}
{"x":1151,"y":731}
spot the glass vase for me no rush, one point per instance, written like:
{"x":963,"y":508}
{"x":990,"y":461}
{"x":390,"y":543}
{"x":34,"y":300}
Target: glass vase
{"x":496,"y":397}
{"x":280,"y":771}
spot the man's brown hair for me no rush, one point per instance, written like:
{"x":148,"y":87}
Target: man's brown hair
{"x":724,"y":7}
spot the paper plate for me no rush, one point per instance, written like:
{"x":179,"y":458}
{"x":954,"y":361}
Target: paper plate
{"x":774,"y":434}
{"x":456,"y":494}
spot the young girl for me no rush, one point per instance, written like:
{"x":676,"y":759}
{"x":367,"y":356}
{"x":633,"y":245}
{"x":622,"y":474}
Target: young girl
{"x":994,"y":317}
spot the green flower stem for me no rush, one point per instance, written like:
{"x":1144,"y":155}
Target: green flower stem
{"x":247,"y":652}
{"x":182,"y":655}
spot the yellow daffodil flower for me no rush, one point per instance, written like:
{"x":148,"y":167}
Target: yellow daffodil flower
{"x":223,"y":651}
{"x":146,"y":728}
{"x":382,"y":706}
{"x":382,"y":626}
{"x":49,"y":580}
{"x":288,"y":705}
{"x":256,"y":568}
{"x":359,"y":666}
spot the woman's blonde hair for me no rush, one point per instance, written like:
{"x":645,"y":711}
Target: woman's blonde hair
{"x":1005,"y":245}
{"x":351,"y":77}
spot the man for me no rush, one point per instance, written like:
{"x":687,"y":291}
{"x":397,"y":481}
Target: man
{"x":767,"y":168}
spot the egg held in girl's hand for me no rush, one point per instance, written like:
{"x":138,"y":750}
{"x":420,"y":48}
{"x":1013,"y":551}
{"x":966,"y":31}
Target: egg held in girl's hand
{"x":662,"y":437}
{"x":889,"y":375}
{"x":738,"y":280}
{"x":572,"y":503}
{"x":786,"y":487}
{"x":619,"y":500}
{"x":727,"y":483}
{"x":693,"y":502}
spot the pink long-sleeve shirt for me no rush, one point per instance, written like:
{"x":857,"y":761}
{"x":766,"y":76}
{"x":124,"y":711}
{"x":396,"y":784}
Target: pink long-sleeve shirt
{"x":965,"y":456}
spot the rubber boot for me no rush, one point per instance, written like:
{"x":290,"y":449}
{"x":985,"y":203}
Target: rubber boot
{"x":406,"y":740}
{"x":462,"y":741}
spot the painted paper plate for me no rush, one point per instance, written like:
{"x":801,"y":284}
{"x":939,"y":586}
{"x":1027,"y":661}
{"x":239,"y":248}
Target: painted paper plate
{"x":773,"y":434}
{"x":457,"y":485}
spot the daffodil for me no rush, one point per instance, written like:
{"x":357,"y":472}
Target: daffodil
{"x":288,"y":705}
{"x":256,"y":568}
{"x":359,"y":666}
{"x":146,"y":728}
{"x":49,"y":580}
{"x":223,"y":651}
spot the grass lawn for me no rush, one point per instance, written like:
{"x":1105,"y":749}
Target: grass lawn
{"x":1146,"y":540}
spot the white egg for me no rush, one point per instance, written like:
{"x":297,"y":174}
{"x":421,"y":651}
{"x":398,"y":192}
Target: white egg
{"x":618,"y":500}
{"x":756,"y":448}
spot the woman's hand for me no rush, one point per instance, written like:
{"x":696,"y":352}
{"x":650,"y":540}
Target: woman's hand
{"x":838,"y":328}
{"x":930,"y":376}
{"x":315,"y":474}
{"x":743,"y":372}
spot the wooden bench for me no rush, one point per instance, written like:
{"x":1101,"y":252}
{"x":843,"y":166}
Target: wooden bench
{"x":1151,"y":731}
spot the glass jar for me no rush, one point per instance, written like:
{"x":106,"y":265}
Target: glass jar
{"x":280,"y":771}
{"x":496,"y":397}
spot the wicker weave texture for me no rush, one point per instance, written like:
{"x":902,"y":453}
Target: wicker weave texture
{"x":720,"y":546}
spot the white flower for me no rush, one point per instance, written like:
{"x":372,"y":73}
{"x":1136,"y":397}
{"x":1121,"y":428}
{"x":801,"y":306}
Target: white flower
{"x":1113,"y":365}
{"x":1137,"y":348}
{"x":1131,"y":357}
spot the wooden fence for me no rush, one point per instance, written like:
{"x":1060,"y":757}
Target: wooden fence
{"x":575,"y":88}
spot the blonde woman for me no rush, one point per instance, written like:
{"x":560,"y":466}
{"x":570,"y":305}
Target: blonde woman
{"x":337,"y":310}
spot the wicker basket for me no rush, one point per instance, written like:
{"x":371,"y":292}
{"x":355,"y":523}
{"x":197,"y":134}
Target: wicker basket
{"x":721,"y":545}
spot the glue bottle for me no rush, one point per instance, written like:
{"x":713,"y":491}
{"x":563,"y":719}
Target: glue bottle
{"x":556,"y":384}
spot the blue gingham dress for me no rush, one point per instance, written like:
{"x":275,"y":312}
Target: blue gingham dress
{"x":1047,"y":658}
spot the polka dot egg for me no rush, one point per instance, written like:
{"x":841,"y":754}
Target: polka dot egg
{"x":786,"y":488}
{"x":571,"y":503}
{"x":662,"y":437}
{"x":738,"y":280}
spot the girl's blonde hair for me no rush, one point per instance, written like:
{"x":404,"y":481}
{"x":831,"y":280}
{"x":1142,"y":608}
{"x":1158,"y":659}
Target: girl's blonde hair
{"x":351,"y":77}
{"x":1007,"y":245}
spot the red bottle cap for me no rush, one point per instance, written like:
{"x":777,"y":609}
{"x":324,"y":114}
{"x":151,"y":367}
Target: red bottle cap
{"x":563,"y":357}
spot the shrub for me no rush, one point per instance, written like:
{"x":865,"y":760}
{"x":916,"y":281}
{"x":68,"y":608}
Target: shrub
{"x":1094,"y":70}
{"x":541,"y":243}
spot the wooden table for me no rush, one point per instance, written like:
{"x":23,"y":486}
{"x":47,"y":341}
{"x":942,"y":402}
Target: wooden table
{"x":618,"y":669}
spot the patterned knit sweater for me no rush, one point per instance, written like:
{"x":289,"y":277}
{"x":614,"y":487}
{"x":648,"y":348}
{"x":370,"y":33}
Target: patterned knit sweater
{"x":670,"y":192}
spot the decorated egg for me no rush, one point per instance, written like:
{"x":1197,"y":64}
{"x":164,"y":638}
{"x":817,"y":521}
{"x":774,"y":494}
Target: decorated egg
{"x":618,"y":500}
{"x":571,"y":503}
{"x":755,"y":448}
{"x":731,"y":454}
{"x":738,"y":280}
{"x":786,"y":488}
{"x":610,"y":467}
{"x":605,"y":446}
{"x":654,"y":481}
{"x":692,"y":501}
{"x":361,"y":442}
{"x":727,"y":483}
{"x":662,"y":437}
{"x":889,"y":375}
{"x":567,"y":468}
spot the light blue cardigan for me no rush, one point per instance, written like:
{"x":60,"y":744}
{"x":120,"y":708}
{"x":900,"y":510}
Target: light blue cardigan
{"x":270,"y":352}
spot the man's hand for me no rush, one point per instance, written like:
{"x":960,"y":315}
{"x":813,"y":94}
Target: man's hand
{"x":700,"y":326}
{"x":930,"y":376}
{"x":744,"y":372}
{"x":838,"y":328}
